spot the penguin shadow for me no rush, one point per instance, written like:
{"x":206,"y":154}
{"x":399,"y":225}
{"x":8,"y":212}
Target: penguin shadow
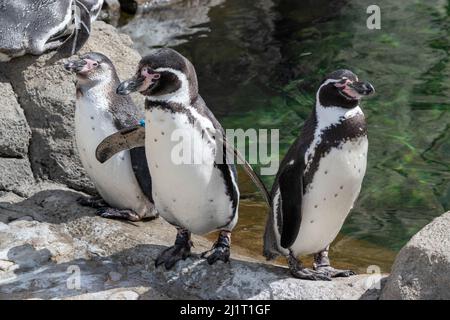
{"x":51,"y":206}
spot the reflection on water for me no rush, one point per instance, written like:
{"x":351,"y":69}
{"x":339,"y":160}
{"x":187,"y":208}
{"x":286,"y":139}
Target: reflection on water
{"x":259,"y":64}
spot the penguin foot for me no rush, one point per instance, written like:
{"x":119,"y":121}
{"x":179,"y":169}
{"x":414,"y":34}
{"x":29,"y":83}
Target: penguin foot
{"x":335,"y":273}
{"x":299,"y":272}
{"x":322,"y":265}
{"x":112,"y":213}
{"x":93,"y":202}
{"x":220,"y":249}
{"x":180,"y":251}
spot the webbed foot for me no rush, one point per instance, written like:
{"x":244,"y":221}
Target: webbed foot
{"x":113,"y":213}
{"x":220,"y":249}
{"x":335,"y":273}
{"x":322,"y":265}
{"x":180,"y":251}
{"x":300,"y":272}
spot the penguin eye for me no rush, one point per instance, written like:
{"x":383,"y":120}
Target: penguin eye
{"x":95,"y":64}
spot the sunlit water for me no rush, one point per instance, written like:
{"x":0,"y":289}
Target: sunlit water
{"x":259,"y":64}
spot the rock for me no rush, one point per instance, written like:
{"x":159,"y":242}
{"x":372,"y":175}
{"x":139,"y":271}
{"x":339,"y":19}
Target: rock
{"x":16,"y":176}
{"x":46,"y":93}
{"x":421,"y":269}
{"x":6,"y":265}
{"x":68,"y":252}
{"x":115,"y":276}
{"x":15,"y":133}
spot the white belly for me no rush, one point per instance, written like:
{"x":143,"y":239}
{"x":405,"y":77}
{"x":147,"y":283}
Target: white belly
{"x":335,"y":187}
{"x":190,"y":194}
{"x":115,"y":179}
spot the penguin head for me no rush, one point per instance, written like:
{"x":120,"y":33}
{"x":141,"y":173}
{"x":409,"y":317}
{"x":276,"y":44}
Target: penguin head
{"x":92,"y":67}
{"x":163,"y":75}
{"x":342,"y":88}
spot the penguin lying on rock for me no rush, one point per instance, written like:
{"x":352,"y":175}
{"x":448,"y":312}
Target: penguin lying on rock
{"x":124,"y":183}
{"x":195,"y":197}
{"x":36,"y":26}
{"x":320,"y":178}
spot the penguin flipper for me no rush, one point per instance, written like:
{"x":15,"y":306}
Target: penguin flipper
{"x":80,"y":33}
{"x":290,"y":182}
{"x":141,"y":171}
{"x":125,"y":139}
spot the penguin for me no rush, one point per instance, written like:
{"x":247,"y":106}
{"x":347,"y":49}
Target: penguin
{"x":36,"y":26}
{"x":320,"y":178}
{"x":194,"y":196}
{"x":124,"y":183}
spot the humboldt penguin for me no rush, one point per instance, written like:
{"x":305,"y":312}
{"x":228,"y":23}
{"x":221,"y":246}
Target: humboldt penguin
{"x":320,"y":178}
{"x":124,"y":183}
{"x":194,"y":195}
{"x":36,"y":26}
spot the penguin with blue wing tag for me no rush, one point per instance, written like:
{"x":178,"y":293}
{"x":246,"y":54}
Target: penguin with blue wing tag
{"x":124,"y":183}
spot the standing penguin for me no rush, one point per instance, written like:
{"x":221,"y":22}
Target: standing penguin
{"x":320,"y":178}
{"x":197,"y":196}
{"x":124,"y":183}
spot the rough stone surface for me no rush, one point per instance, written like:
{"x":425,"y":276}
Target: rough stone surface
{"x":16,"y":176}
{"x":422,"y":268}
{"x":41,"y":257}
{"x":14,"y":131}
{"x":46,"y":93}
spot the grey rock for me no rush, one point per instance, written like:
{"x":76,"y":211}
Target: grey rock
{"x":422,"y":268}
{"x":16,"y":176}
{"x":78,"y":255}
{"x":14,"y":131}
{"x":46,"y":93}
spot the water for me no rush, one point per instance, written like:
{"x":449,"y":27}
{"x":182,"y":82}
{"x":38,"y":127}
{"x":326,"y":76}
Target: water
{"x":259,"y":64}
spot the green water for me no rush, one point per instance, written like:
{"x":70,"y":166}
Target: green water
{"x":259,"y":64}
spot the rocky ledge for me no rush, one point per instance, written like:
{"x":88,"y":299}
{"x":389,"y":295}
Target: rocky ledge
{"x":52,"y":248}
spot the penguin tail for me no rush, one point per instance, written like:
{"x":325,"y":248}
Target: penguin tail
{"x":270,"y":251}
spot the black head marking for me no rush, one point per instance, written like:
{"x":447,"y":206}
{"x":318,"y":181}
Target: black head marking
{"x":342,"y":88}
{"x":96,"y":56}
{"x":169,"y":82}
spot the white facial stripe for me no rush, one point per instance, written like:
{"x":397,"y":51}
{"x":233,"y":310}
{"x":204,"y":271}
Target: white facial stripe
{"x":180,"y":96}
{"x":327,"y":117}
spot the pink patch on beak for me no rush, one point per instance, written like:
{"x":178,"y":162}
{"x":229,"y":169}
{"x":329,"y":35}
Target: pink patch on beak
{"x":149,"y":79}
{"x":347,"y":90}
{"x":90,"y":64}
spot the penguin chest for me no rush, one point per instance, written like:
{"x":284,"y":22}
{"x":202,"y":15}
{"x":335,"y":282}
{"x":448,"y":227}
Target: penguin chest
{"x":188,"y":190}
{"x":115,"y":179}
{"x":330,"y":196}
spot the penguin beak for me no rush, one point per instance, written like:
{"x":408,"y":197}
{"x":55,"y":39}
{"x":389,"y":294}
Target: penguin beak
{"x":144,"y":81}
{"x":129,"y":86}
{"x":362,"y":88}
{"x":355,"y":90}
{"x":76,"y":66}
